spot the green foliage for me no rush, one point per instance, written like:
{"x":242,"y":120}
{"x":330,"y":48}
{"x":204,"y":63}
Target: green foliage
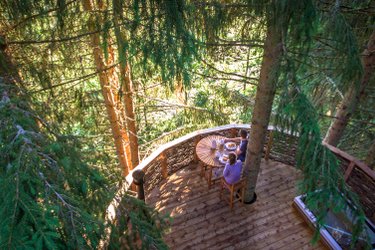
{"x":161,"y":40}
{"x":316,"y":72}
{"x":360,"y":132}
{"x":157,"y":39}
{"x":332,"y":64}
{"x":342,"y":38}
{"x":50,"y":197}
{"x":139,"y":225}
{"x":201,"y":99}
{"x":185,"y":120}
{"x":322,"y":182}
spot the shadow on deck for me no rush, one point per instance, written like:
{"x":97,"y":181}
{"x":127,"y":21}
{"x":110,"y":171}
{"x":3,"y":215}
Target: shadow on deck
{"x":202,"y":221}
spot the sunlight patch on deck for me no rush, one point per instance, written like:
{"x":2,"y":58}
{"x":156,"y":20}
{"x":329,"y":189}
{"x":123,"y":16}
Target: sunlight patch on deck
{"x":202,"y":221}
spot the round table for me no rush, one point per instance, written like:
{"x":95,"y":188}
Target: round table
{"x":207,"y":155}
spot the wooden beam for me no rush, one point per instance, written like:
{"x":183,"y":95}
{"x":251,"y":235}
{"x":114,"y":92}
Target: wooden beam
{"x":349,"y":170}
{"x":164,"y":165}
{"x":358,"y":163}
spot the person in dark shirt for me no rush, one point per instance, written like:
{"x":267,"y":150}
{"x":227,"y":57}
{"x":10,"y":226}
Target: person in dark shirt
{"x":241,"y":149}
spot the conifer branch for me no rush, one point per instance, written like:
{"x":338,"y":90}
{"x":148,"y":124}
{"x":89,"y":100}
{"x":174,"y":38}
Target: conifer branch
{"x":228,"y":73}
{"x":181,"y":105}
{"x":85,"y":77}
{"x":64,"y":39}
{"x":234,"y":44}
{"x":225,"y":79}
{"x":38,"y":15}
{"x":14,"y":210}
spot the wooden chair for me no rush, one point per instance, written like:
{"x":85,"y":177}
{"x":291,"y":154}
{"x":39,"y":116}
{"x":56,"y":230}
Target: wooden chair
{"x":207,"y":173}
{"x":232,"y":188}
{"x":203,"y":168}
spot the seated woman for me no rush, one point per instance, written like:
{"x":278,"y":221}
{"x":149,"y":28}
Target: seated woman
{"x":232,"y":170}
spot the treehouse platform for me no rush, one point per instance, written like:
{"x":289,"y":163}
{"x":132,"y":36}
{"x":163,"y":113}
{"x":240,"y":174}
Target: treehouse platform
{"x":201,"y":220}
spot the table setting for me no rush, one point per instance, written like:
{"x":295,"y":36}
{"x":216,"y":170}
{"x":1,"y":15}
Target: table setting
{"x":223,"y":149}
{"x":213,"y":153}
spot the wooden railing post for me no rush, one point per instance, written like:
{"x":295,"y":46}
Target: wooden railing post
{"x":138,"y":176}
{"x":360,"y":165}
{"x":164,"y":165}
{"x":349,"y":170}
{"x":269,"y":146}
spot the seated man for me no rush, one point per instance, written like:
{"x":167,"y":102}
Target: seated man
{"x":241,"y":149}
{"x":232,"y":170}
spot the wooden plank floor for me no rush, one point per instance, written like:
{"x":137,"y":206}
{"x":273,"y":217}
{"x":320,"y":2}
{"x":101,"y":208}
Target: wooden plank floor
{"x":202,"y":221}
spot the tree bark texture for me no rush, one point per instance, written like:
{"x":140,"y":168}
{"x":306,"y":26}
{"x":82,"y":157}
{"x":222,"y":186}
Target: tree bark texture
{"x":126,"y":87}
{"x":262,"y":108}
{"x":352,"y":96}
{"x":370,"y":158}
{"x":179,"y":91}
{"x":108,"y":81}
{"x":8,"y":70}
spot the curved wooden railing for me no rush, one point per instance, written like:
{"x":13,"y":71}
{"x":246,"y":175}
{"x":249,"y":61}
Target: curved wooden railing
{"x":360,"y":178}
{"x":282,"y":147}
{"x":177,"y":154}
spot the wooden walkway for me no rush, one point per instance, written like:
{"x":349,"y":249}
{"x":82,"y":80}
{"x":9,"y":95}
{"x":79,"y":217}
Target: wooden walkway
{"x":202,"y":221}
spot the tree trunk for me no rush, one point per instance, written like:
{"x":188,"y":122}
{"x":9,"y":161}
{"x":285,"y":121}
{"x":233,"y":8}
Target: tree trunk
{"x":110,"y":94}
{"x":179,"y":91}
{"x":370,"y":158}
{"x":352,"y":96}
{"x":126,"y":87}
{"x":8,"y":70}
{"x":262,"y":107}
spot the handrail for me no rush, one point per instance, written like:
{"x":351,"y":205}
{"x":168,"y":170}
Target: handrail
{"x":171,"y":144}
{"x":357,"y":163}
{"x":159,"y":159}
{"x":159,"y":152}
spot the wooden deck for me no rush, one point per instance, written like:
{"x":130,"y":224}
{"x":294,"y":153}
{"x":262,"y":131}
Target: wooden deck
{"x":202,"y":221}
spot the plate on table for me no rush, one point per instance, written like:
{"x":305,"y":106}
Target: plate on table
{"x":223,"y":159}
{"x":230,"y":145}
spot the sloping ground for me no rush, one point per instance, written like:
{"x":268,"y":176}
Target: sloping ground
{"x":202,"y":221}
